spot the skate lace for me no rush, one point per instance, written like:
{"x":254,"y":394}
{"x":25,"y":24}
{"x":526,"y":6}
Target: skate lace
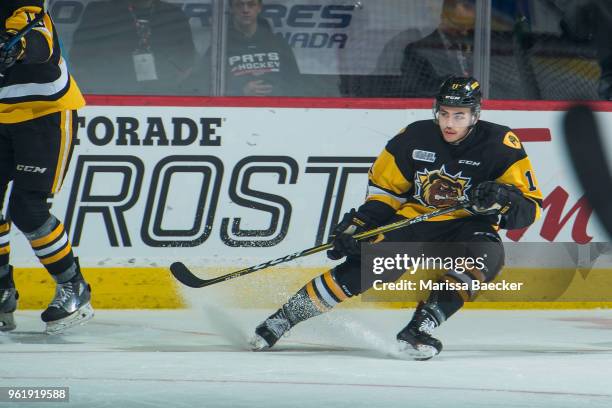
{"x":427,"y":326}
{"x":278,"y":325}
{"x":64,"y":292}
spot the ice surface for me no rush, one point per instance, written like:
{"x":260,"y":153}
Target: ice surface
{"x":199,"y":358}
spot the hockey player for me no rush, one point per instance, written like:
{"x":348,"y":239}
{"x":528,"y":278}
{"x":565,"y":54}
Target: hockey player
{"x":429,"y":165}
{"x":38,"y":102}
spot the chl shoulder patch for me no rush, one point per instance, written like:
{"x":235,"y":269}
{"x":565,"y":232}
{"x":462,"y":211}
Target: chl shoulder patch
{"x":512,"y":140}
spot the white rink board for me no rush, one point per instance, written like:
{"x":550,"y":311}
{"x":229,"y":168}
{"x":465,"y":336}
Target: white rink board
{"x":282,"y":159}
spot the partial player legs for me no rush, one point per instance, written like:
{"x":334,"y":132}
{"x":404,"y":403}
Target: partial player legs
{"x":8,"y":298}
{"x":8,"y":293}
{"x":44,"y":144}
{"x":316,"y":297}
{"x":417,"y":335}
{"x":324,"y":292}
{"x":442,"y":304}
{"x":71,"y":303}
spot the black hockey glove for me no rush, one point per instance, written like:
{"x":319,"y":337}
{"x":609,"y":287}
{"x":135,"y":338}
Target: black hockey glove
{"x":8,"y":57}
{"x":493,"y":197}
{"x":352,"y":223}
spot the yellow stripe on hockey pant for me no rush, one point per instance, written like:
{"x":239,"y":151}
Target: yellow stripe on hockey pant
{"x":56,"y":257}
{"x":5,"y":250}
{"x":66,"y":139}
{"x":48,"y":238}
{"x":5,"y":227}
{"x":67,"y":148}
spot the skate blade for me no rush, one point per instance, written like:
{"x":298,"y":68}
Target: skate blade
{"x":258,"y":343}
{"x":421,"y":352}
{"x":80,"y":317}
{"x":7,"y":322}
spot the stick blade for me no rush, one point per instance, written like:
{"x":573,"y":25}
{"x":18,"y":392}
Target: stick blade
{"x":185,"y":276}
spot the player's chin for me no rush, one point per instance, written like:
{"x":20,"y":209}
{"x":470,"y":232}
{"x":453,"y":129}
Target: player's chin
{"x":450,"y":137}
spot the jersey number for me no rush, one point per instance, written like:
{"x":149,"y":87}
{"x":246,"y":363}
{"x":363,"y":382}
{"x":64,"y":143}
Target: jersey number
{"x":532,"y":186}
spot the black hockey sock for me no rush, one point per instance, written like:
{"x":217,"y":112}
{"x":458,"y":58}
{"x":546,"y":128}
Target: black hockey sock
{"x":318,"y":296}
{"x":6,"y":277}
{"x":446,"y":301}
{"x":450,"y":301}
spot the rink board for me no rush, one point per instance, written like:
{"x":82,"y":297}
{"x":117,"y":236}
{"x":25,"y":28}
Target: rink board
{"x":155,"y":288}
{"x":232,"y":182}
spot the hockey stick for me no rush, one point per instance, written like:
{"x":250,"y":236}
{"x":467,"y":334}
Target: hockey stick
{"x":584,"y":144}
{"x":19,"y":35}
{"x":185,"y":276}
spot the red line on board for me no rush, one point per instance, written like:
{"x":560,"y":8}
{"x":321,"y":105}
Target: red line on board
{"x":325,"y":103}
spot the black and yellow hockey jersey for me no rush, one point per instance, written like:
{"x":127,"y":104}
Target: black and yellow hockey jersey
{"x":418,"y":172}
{"x":40,"y":83}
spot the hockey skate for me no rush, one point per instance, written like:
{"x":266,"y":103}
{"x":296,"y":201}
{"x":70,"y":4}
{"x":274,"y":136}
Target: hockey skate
{"x":416,"y":338}
{"x":270,"y":331}
{"x":8,"y":304}
{"x":70,"y":306}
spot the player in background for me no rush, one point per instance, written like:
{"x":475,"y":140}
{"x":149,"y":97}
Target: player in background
{"x":38,"y":102}
{"x":427,"y":166}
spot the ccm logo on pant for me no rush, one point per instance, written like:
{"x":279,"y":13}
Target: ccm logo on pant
{"x":30,"y":169}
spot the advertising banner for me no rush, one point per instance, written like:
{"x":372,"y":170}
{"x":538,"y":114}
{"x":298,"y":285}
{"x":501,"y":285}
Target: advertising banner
{"x":223,"y":186}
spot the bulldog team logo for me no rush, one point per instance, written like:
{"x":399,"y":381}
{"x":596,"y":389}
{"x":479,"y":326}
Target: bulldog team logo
{"x":439,"y":189}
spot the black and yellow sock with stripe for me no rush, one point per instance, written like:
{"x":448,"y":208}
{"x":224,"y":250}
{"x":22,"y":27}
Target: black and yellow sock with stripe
{"x":5,"y":247}
{"x":52,"y":247}
{"x":316,"y":297}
